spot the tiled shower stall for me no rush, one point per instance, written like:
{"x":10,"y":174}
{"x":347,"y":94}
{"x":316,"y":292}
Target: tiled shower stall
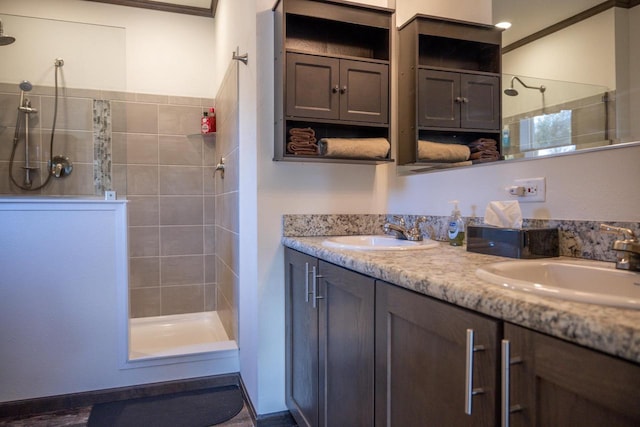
{"x":149,"y":149}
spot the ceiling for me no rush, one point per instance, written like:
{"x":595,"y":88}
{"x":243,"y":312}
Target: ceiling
{"x":205,"y":8}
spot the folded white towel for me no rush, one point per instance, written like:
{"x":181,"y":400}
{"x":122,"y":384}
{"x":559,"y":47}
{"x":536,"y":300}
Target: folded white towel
{"x":366,"y":148}
{"x":440,"y":152}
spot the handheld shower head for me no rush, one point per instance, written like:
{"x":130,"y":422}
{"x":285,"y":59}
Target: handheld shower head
{"x":4,"y":38}
{"x":26,"y":86}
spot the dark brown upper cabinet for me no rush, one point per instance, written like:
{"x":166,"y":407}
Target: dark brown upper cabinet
{"x":332,"y":68}
{"x":449,"y":85}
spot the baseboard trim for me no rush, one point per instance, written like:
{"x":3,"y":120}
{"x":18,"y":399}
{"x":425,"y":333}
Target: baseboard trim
{"x":275,"y":419}
{"x":90,"y":398}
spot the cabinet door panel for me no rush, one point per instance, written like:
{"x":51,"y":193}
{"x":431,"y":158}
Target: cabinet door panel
{"x":302,"y":341}
{"x":561,"y":384}
{"x":438,"y":98}
{"x":421,"y":361}
{"x":364,"y":91}
{"x":312,"y":86}
{"x":346,"y":347}
{"x":480,"y":108}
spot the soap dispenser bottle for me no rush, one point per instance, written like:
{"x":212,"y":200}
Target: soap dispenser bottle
{"x":456,"y":226}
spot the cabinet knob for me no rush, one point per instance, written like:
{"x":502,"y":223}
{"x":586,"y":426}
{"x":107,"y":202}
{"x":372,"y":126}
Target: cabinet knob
{"x":465,"y":100}
{"x":335,"y":89}
{"x":458,"y":99}
{"x":343,"y":90}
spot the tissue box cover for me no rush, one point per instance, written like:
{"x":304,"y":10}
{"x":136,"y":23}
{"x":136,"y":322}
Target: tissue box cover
{"x":513,"y":243}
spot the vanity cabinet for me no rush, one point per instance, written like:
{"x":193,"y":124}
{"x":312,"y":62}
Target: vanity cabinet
{"x":450,"y":83}
{"x":329,"y":343}
{"x":332,"y":67}
{"x":436,"y":364}
{"x":556,"y":383}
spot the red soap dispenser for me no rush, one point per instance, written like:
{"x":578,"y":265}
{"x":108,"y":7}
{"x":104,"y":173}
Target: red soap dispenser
{"x":212,"y":119}
{"x":204,"y":123}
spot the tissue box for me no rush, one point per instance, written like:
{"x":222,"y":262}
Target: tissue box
{"x":513,"y":243}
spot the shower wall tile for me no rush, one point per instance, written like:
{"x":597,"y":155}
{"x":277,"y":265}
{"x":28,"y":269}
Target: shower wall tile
{"x":209,"y":157}
{"x":227,"y":244}
{"x":77,"y":93}
{"x":179,"y":120}
{"x":180,"y":150}
{"x":226,"y":299}
{"x":77,"y":113}
{"x":117,"y":96}
{"x":8,"y":109}
{"x":180,"y":180}
{"x":182,"y":270}
{"x":210,"y":296}
{"x":184,"y":100}
{"x":144,"y":241}
{"x":181,"y":240}
{"x":144,"y":302}
{"x":75,"y":144}
{"x":181,"y":210}
{"x":227,"y":211}
{"x":209,"y":209}
{"x":210,"y":269}
{"x":143,"y":210}
{"x":144,"y":272}
{"x":134,"y":117}
{"x":209,"y":239}
{"x":135,"y":148}
{"x":151,"y":98}
{"x":119,"y":180}
{"x":142,"y":180}
{"x":182,"y":299}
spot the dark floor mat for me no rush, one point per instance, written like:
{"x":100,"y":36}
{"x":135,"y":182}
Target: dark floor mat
{"x":199,"y":408}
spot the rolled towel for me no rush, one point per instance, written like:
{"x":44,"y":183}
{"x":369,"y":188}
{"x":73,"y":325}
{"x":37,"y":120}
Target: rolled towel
{"x":439,"y":152}
{"x":365,"y":148}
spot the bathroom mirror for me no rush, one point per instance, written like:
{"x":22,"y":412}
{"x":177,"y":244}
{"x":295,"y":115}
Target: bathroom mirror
{"x":570,"y":79}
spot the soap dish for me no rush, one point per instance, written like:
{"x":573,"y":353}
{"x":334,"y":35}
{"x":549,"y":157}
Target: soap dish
{"x":512,"y":242}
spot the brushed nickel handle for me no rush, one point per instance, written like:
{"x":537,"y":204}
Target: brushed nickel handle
{"x":506,"y":409}
{"x":469,"y":390}
{"x":314,"y":292}
{"x":306,"y":282}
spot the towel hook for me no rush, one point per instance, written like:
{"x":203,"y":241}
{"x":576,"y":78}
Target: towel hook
{"x":242,"y":58}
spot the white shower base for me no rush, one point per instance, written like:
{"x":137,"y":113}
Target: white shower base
{"x":177,"y":335}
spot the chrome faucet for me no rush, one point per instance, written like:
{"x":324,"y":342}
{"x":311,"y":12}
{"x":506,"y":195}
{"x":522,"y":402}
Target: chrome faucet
{"x":401,"y":231}
{"x":627,"y":249}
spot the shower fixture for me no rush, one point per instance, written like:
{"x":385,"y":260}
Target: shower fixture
{"x":4,"y":38}
{"x":58,"y":166}
{"x":512,"y":92}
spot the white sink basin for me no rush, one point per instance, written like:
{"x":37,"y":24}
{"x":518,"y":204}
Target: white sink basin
{"x":377,"y":243}
{"x":584,"y":281}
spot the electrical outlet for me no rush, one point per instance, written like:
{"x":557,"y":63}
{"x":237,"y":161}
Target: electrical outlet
{"x":109,"y":195}
{"x":534,"y":189}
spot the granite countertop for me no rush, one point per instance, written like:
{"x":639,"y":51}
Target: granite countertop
{"x":448,"y":273}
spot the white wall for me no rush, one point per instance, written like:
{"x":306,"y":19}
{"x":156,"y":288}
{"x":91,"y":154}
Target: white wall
{"x":165,"y":53}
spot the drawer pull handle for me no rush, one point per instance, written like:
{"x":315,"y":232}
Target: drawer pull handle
{"x":506,"y":362}
{"x":469,"y":390}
